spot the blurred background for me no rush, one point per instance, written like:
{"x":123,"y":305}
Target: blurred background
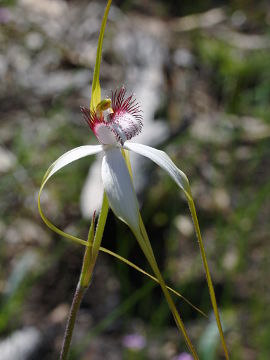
{"x":201,"y":73}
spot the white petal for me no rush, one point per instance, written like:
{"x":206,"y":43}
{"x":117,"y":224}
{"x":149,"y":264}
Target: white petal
{"x":163,"y":160}
{"x":69,"y":157}
{"x":61,"y":162}
{"x":119,"y":188}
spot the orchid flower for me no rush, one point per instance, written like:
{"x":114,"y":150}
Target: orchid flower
{"x":114,"y":121}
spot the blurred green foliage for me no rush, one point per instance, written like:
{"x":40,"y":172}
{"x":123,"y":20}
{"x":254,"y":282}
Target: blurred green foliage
{"x":242,"y":83}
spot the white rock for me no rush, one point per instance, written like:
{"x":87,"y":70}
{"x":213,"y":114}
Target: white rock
{"x":183,"y":57}
{"x":20,"y":344}
{"x":7,"y":160}
{"x":34,"y":40}
{"x":27,"y":232}
{"x":184,"y":225}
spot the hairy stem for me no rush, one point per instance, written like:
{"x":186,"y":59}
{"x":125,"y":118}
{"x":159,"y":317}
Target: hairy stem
{"x":89,"y":261}
{"x":80,"y":291}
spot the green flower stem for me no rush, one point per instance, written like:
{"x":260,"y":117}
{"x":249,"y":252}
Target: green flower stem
{"x":146,"y":247}
{"x":80,"y":291}
{"x":100,"y":227}
{"x":144,"y":242}
{"x":207,"y":272}
{"x":89,"y":261}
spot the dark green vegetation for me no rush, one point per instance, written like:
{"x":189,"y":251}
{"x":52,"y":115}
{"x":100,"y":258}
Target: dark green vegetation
{"x":213,"y":94}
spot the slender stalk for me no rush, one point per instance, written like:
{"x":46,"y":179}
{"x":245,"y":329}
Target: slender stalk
{"x":208,"y":276}
{"x":144,"y":242}
{"x":89,"y":261}
{"x":79,"y":293}
{"x":100,"y":227}
{"x":146,"y":247}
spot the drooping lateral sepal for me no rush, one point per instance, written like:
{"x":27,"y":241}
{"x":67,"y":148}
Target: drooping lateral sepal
{"x":71,"y":156}
{"x":119,"y":188}
{"x":164,"y":161}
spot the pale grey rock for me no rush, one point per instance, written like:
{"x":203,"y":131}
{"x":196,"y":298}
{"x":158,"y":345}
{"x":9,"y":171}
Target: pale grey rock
{"x":20,"y":344}
{"x":238,"y":18}
{"x":34,"y":40}
{"x":23,"y":265}
{"x":27,"y":232}
{"x":7,"y":160}
{"x":3,"y":66}
{"x":183,"y":57}
{"x":213,"y":128}
{"x":254,"y":128}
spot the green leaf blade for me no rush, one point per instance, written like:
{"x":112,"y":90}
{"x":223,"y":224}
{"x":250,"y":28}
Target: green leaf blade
{"x":96,"y":91}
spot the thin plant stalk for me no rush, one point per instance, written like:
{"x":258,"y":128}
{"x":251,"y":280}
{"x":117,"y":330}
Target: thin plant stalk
{"x":207,"y":272}
{"x":146,"y":247}
{"x":100,"y":227}
{"x":89,"y":260}
{"x":92,"y":250}
{"x":83,"y":283}
{"x":144,"y":242}
{"x":76,"y":302}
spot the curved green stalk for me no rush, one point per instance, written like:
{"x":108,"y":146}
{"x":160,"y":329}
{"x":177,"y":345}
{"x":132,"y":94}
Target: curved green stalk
{"x":51,"y":225}
{"x":207,"y":272}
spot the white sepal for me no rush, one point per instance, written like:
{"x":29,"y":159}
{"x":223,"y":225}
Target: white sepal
{"x":163,"y":160}
{"x":69,"y":157}
{"x":119,"y":188}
